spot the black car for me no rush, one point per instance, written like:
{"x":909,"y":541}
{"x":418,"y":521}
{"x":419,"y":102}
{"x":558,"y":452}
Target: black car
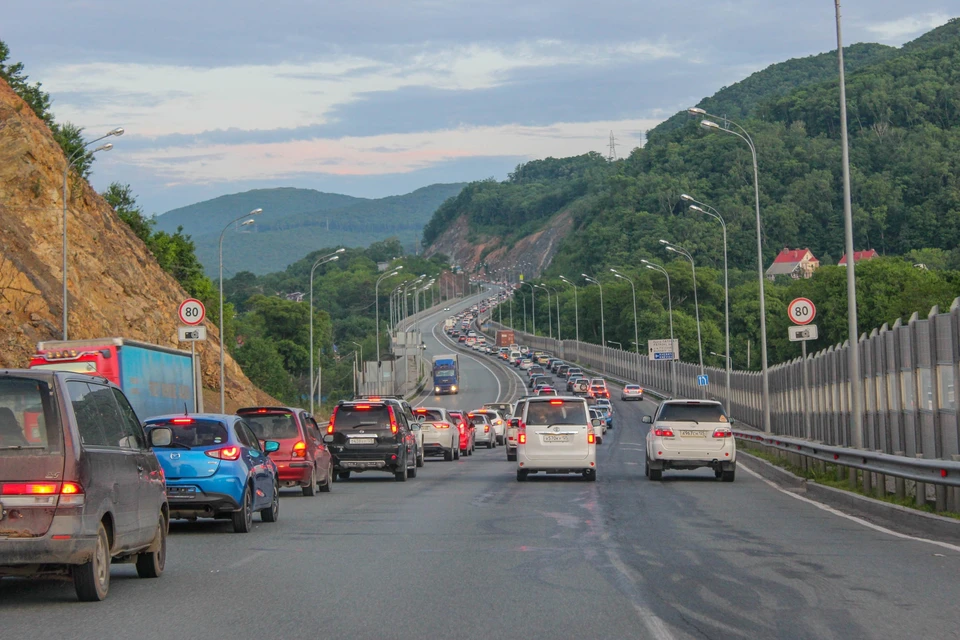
{"x":535,"y":380}
{"x":562,"y":370}
{"x":79,"y":482}
{"x":371,"y":435}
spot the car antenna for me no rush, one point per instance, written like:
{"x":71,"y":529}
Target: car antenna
{"x":185,"y":411}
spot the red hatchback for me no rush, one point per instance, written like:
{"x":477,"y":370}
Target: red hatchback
{"x":468,"y":431}
{"x":302,"y":460}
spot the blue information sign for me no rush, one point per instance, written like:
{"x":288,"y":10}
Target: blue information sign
{"x":703,"y":380}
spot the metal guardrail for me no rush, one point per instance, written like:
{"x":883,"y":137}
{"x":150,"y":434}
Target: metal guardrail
{"x":937,"y":472}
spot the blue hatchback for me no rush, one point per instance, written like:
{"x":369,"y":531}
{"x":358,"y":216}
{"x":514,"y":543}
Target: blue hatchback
{"x":215,"y":467}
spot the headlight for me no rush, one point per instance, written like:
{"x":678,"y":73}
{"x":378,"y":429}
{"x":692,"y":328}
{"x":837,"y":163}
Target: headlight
{"x":436,"y":388}
{"x":453,"y":388}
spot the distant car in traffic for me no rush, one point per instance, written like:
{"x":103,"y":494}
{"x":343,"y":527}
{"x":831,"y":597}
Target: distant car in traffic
{"x":484,"y":432}
{"x":631,"y":392}
{"x":468,"y":431}
{"x":441,"y":434}
{"x":371,"y":435}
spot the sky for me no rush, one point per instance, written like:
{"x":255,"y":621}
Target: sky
{"x":380,"y":97}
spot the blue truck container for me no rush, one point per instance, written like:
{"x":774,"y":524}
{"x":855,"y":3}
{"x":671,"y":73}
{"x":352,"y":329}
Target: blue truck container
{"x":446,"y":374}
{"x":157,"y":380}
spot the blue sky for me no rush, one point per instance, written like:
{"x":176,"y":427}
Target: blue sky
{"x":374,"y":97}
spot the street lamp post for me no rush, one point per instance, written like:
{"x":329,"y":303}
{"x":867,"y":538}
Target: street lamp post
{"x":76,"y":155}
{"x":549,"y":317}
{"x":576,"y":313}
{"x":673,"y":362}
{"x":696,"y":304}
{"x":710,"y":211}
{"x":743,"y":135}
{"x":720,"y":355}
{"x":603,"y":335}
{"x":633,"y":290}
{"x":227,"y":226}
{"x":619,"y":344}
{"x":376,"y":297}
{"x":358,"y":372}
{"x":321,"y":260}
{"x":533,"y":312}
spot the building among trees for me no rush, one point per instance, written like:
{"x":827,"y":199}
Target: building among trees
{"x":859,"y":256}
{"x":796,"y":263}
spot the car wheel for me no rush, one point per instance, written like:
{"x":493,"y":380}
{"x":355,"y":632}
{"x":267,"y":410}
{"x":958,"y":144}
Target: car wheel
{"x":729,"y":475}
{"x":448,"y":455}
{"x":150,"y":563}
{"x":489,"y":444}
{"x":343,"y":475}
{"x":327,"y":480}
{"x":655,"y":474}
{"x":243,"y":519}
{"x":522,"y":475}
{"x":310,"y":489}
{"x":271,"y":513}
{"x":456,"y":453}
{"x":646,"y":467}
{"x":412,"y":471}
{"x":718,"y":473}
{"x":590,"y":475}
{"x":92,"y":579}
{"x":420,"y":459}
{"x":599,"y":440}
{"x":511,"y":457}
{"x":401,"y":474}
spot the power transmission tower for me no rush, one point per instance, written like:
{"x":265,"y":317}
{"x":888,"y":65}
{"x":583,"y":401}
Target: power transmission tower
{"x":612,"y":155}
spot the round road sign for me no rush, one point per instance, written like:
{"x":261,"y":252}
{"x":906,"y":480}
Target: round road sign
{"x":802,"y":311}
{"x":191,"y":311}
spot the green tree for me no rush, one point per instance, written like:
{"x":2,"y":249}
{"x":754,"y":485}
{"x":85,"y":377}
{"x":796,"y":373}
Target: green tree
{"x":124,"y":203}
{"x":263,"y":364}
{"x":32,"y":94}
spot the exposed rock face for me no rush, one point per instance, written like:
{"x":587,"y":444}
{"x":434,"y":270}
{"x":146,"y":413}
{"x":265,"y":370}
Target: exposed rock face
{"x":537,"y":248}
{"x":115,"y":285}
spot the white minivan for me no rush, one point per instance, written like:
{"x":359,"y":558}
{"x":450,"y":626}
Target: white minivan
{"x":557,"y":435}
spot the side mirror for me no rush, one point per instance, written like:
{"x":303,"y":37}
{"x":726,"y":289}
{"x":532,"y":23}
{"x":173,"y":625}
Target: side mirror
{"x":421,"y":418}
{"x":269,"y":446}
{"x":596,"y":422}
{"x":647,"y":420}
{"x":161,"y":437}
{"x":328,"y":438}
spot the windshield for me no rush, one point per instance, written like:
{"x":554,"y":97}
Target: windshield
{"x":28,"y":419}
{"x":691,"y":413}
{"x":272,"y":426}
{"x":554,"y":412}
{"x":195,"y":433}
{"x":445,"y":373}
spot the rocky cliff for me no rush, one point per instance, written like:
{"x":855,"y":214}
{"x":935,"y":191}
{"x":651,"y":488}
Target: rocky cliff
{"x":530,"y":254}
{"x":116,"y":287}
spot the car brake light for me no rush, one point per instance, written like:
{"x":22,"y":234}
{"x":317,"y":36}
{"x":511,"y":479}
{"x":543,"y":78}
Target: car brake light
{"x":555,"y":401}
{"x":333,"y":418}
{"x":226,"y":453}
{"x":374,"y":399}
{"x":182,"y":421}
{"x":486,"y":428}
{"x":30,"y":488}
{"x":522,"y":438}
{"x":71,"y":488}
{"x":362,"y":407}
{"x":722,"y":433}
{"x":393,"y":421}
{"x":300,"y":450}
{"x":261,"y":410}
{"x":663,"y":433}
{"x":441,"y":425}
{"x":591,"y":438}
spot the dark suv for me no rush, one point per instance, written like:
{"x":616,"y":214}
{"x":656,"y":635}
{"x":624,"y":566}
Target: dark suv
{"x":79,"y":484}
{"x":371,"y":435}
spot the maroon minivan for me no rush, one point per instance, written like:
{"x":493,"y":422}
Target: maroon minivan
{"x":80,"y":486}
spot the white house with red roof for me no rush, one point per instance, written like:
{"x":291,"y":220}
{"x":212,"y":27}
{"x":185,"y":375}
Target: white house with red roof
{"x":796,"y":263}
{"x":859,"y":256}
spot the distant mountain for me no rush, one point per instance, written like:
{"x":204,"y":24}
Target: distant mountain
{"x":295,"y":222}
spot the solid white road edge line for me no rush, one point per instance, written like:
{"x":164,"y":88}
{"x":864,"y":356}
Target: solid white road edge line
{"x":847,"y":516}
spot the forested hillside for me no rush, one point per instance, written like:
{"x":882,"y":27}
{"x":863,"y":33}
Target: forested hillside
{"x":905,"y":157}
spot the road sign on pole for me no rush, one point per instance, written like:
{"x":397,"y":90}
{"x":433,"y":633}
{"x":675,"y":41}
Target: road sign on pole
{"x":801,"y":311}
{"x":803,"y":333}
{"x":703,"y":380}
{"x":663,"y":349}
{"x":191,"y":334}
{"x":191,"y":312}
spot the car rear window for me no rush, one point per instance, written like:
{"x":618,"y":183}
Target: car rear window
{"x":272,"y":426}
{"x":556,"y":412}
{"x":631,"y":387}
{"x":480,"y":418}
{"x":362,"y":415}
{"x":692,"y":413}
{"x":429,"y":415}
{"x":28,"y":418}
{"x":191,"y":433}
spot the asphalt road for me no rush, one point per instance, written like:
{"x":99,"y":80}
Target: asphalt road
{"x":464,"y":551}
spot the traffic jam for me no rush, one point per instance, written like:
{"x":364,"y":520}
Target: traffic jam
{"x":87,"y":484}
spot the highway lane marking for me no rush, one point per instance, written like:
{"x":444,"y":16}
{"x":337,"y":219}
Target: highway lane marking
{"x":655,"y":626}
{"x":243,"y":561}
{"x":847,"y":516}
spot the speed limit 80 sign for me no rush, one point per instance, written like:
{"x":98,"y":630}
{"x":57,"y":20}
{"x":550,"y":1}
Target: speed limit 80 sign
{"x":192,"y":311}
{"x":802,"y":311}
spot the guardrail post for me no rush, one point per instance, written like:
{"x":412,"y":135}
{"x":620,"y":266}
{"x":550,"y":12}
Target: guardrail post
{"x":867,"y":482}
{"x":852,"y":479}
{"x":921,"y":489}
{"x":881,"y":482}
{"x":899,"y":484}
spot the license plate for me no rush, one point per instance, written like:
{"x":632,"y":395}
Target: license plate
{"x":556,"y":438}
{"x":182,"y":492}
{"x":362,"y":440}
{"x":693,"y":434}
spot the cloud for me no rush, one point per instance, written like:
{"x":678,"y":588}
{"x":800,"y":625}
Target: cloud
{"x":897,"y":30}
{"x":381,"y":154}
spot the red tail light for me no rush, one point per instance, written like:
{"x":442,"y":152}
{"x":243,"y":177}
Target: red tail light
{"x":300,"y":450}
{"x":722,"y":433}
{"x":65,"y":494}
{"x":393,"y":421}
{"x":333,"y":418}
{"x":361,"y":407}
{"x":591,"y":438}
{"x":30,"y":488}
{"x":663,"y":433}
{"x":182,"y":421}
{"x":522,"y":438}
{"x":226,"y":453}
{"x":486,"y":428}
{"x":71,"y":488}
{"x":555,"y":401}
{"x":441,"y":425}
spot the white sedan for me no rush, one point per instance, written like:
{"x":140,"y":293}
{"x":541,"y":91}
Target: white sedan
{"x":689,"y":434}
